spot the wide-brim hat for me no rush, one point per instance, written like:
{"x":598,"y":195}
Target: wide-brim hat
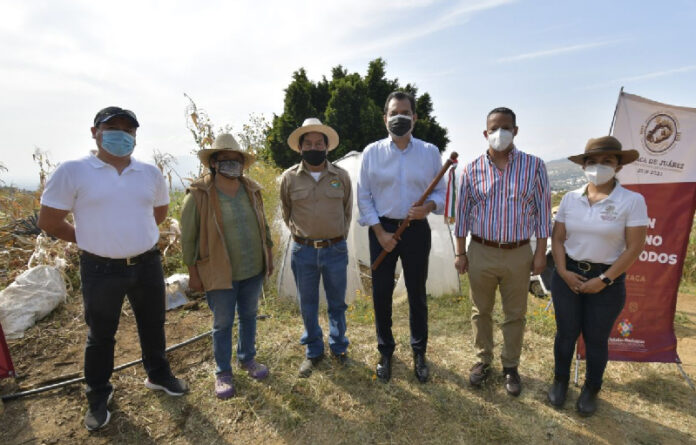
{"x":608,"y":145}
{"x":225,"y":142}
{"x":313,"y":125}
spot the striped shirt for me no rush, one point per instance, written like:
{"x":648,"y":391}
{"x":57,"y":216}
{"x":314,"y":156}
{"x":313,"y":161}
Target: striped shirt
{"x":507,"y":205}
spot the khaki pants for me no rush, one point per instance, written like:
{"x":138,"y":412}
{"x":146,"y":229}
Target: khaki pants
{"x":509,"y":269}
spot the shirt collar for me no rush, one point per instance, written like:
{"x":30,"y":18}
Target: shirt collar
{"x":95,"y":162}
{"x":329,"y":166}
{"x":613,"y":196}
{"x":393,"y":146}
{"x":511,"y":156}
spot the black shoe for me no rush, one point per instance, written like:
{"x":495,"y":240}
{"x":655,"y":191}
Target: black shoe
{"x":420,"y":367}
{"x":513,"y":383}
{"x":557,"y":393}
{"x":98,"y":415}
{"x":342,"y":358}
{"x":479,"y":373}
{"x":170,"y":384}
{"x":384,"y":368}
{"x":587,"y":401}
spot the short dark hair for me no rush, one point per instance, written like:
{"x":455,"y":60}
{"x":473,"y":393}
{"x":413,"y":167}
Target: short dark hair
{"x":400,"y":95}
{"x":504,"y":110}
{"x":326,"y":139}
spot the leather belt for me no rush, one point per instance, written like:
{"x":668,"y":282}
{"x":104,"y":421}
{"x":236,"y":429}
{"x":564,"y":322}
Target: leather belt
{"x":130,"y":261}
{"x":585,"y":267}
{"x":397,"y":222}
{"x":488,"y":243}
{"x":318,"y":243}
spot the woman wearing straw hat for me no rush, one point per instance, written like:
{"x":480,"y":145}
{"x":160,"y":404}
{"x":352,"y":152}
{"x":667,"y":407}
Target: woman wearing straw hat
{"x":599,"y":232}
{"x":227,"y":248}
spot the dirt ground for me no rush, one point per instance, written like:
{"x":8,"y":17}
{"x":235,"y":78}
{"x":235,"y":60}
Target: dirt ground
{"x":686,"y":334}
{"x":54,"y":348}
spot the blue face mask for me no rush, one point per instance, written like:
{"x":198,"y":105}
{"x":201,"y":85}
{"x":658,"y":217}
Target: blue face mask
{"x":118,"y":143}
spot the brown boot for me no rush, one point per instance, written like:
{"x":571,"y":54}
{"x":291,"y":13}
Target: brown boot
{"x":479,"y":373}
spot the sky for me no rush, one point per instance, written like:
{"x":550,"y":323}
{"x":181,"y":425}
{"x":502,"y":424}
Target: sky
{"x":558,"y":64}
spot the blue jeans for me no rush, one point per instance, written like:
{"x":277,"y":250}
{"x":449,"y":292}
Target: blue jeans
{"x":308,"y":265}
{"x":244,"y":297}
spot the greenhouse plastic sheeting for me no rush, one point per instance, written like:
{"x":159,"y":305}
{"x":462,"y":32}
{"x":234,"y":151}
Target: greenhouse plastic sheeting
{"x":445,"y":281}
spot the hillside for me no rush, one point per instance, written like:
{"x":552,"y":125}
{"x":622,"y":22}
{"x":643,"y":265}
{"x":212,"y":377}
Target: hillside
{"x":564,"y":175}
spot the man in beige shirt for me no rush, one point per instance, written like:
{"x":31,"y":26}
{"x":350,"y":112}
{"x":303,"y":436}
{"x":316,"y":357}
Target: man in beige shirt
{"x":316,"y":199}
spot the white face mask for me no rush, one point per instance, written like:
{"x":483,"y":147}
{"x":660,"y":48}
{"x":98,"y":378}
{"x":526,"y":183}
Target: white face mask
{"x":500,"y":139}
{"x":599,"y":174}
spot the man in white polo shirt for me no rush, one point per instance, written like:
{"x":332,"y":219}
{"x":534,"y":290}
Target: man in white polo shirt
{"x":117,"y":204}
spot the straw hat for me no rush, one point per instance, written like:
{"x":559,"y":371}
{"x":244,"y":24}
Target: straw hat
{"x":605,"y":145}
{"x":310,"y":125}
{"x":224,"y":142}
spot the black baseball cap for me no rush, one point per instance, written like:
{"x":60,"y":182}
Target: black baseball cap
{"x":109,"y":112}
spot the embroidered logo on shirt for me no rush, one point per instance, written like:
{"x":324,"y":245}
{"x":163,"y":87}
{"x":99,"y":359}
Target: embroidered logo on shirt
{"x":335,"y":183}
{"x":609,"y":213}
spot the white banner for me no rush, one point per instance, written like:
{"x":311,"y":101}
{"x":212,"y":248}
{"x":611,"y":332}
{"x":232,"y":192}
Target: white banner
{"x":665,"y":137}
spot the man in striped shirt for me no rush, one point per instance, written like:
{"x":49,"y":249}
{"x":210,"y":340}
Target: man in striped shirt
{"x":504,"y":201}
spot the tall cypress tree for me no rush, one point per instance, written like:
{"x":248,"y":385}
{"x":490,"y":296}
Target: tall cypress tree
{"x":352,"y":105}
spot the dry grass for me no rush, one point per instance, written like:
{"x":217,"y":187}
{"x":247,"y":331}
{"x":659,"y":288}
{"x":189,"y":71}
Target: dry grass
{"x":641,"y":403}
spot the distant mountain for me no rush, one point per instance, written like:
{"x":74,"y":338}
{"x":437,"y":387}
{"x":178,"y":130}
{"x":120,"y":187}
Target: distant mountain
{"x":564,"y":175}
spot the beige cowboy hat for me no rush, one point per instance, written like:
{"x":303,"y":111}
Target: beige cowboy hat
{"x":605,"y":145}
{"x":311,"y":125}
{"x":225,"y":142}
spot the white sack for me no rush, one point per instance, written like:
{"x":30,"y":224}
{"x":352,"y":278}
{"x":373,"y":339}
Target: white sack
{"x":32,"y":296}
{"x":176,"y":290}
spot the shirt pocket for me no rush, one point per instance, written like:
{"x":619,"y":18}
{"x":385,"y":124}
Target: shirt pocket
{"x":334,"y":192}
{"x":300,"y":195}
{"x":521,"y":191}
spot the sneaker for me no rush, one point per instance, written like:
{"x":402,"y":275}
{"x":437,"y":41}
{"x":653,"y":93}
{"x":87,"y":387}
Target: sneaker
{"x":224,"y":386}
{"x":479,"y":373}
{"x":308,"y":364}
{"x":171,"y":385}
{"x":98,"y":416}
{"x":255,"y":370}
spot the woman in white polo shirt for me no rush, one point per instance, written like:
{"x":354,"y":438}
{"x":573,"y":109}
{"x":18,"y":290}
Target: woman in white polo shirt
{"x":598,"y":233}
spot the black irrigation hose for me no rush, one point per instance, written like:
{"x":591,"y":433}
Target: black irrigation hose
{"x":17,"y":395}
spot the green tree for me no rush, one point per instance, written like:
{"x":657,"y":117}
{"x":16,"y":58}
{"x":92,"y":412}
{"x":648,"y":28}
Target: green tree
{"x":352,"y":105}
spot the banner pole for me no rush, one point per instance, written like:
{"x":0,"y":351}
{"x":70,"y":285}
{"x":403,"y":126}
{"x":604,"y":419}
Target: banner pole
{"x":616,"y":108}
{"x":577,"y":364}
{"x":686,"y":376}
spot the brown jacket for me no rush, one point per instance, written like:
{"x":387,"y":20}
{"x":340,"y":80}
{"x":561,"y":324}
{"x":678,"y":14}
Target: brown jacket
{"x":316,"y":210}
{"x":213,"y":262}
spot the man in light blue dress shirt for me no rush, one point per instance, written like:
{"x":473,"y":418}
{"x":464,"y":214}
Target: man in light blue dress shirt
{"x":395,"y":172}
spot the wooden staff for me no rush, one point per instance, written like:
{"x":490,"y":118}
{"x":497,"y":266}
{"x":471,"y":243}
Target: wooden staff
{"x":397,"y":235}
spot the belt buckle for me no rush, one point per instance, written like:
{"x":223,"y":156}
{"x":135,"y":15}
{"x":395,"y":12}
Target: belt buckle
{"x":129,"y":261}
{"x":316,"y":243}
{"x":584,"y":266}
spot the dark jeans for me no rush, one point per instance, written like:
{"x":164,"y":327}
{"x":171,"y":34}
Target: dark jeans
{"x":104,"y":284}
{"x":413,"y":249}
{"x":593,"y":315}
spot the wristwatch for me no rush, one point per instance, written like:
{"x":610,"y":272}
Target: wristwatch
{"x":606,"y":280}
